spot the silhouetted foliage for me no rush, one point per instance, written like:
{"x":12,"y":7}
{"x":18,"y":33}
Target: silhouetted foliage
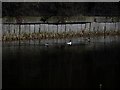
{"x":60,"y":8}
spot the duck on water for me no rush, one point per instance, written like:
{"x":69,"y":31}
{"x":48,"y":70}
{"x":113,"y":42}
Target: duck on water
{"x":69,"y":43}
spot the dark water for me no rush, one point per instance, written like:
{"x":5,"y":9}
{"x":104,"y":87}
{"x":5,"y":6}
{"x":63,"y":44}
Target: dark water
{"x":61,"y":66}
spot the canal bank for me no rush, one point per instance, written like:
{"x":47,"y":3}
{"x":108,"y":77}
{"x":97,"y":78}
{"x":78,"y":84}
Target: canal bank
{"x":42,"y":30}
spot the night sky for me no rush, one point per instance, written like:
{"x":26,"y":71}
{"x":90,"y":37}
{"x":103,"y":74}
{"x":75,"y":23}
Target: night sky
{"x":60,"y":9}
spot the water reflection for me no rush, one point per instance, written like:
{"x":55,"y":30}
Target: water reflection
{"x":87,"y":65}
{"x":75,"y":41}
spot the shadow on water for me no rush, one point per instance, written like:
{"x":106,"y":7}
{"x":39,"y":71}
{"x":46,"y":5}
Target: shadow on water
{"x":87,"y":65}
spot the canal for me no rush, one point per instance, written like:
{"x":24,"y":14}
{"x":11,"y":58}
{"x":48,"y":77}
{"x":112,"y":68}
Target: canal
{"x":32,"y":64}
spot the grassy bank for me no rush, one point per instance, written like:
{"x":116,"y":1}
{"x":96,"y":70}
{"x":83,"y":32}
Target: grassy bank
{"x":48,"y":35}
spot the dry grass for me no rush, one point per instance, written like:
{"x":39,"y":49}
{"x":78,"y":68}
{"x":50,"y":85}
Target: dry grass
{"x":48,"y":35}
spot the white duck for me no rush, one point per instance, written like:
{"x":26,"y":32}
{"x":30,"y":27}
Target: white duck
{"x":69,"y":43}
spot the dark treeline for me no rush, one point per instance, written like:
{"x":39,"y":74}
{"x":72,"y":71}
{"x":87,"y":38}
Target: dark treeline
{"x":60,"y":9}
